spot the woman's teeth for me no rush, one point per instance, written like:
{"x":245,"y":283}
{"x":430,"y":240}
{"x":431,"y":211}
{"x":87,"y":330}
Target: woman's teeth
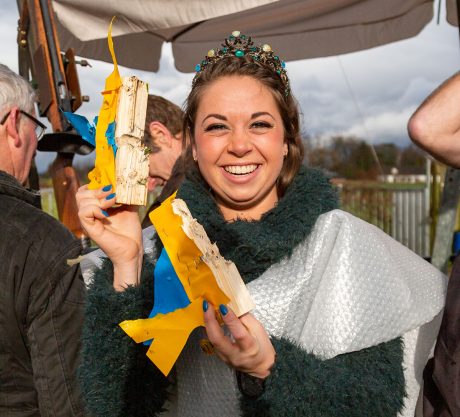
{"x":240,"y":169}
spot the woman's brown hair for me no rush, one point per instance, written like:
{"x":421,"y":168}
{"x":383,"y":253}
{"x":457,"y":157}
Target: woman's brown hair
{"x":287,"y":106}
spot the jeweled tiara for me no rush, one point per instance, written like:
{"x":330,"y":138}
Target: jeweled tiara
{"x":241,"y":45}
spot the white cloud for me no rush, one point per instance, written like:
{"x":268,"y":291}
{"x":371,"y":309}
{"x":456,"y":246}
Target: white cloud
{"x":8,"y":32}
{"x":390,"y":126}
{"x":387,"y":84}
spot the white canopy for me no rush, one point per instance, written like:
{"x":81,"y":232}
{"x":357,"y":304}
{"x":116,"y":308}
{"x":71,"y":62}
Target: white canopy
{"x":298,"y":28}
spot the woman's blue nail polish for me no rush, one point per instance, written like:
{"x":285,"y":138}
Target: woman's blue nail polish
{"x":205,"y":305}
{"x":110,"y":196}
{"x":107,"y":188}
{"x":105,"y":213}
{"x":223,"y":309}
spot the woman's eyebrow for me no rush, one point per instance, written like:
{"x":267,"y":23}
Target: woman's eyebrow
{"x":261,"y":113}
{"x":216,"y":115}
{"x":222,"y":117}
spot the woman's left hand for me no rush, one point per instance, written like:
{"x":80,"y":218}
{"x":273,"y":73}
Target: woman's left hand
{"x":251,"y":351}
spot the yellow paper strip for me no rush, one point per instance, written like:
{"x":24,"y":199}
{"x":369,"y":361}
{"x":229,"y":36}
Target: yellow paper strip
{"x":104,"y":167}
{"x":196,"y":277}
{"x":171,"y":331}
{"x":168,"y":331}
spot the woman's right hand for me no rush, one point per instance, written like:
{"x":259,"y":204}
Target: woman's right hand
{"x":116,"y":231}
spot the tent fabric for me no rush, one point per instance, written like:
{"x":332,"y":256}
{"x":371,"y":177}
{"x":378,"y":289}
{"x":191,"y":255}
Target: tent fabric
{"x":87,"y":19}
{"x":299,"y":28}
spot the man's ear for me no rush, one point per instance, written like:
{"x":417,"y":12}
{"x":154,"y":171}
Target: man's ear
{"x":151,"y":184}
{"x":12,"y":124}
{"x":160,"y":133}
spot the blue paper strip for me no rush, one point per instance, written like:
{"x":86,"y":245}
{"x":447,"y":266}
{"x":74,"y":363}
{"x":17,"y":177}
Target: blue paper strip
{"x":84,"y":128}
{"x":169,"y":293}
{"x":110,"y":136}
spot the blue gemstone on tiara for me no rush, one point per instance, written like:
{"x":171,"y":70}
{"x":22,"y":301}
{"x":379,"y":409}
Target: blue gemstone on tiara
{"x":239,"y":53}
{"x":197,"y":67}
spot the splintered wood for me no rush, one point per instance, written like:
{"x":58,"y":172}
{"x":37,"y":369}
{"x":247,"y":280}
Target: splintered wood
{"x":132,"y":159}
{"x":227,"y":276}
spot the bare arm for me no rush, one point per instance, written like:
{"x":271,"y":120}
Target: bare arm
{"x":117,"y":231}
{"x":435,"y":126}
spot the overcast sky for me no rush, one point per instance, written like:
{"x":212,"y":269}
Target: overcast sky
{"x":370,"y":94}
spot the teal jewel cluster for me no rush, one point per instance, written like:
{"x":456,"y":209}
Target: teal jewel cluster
{"x":241,"y":45}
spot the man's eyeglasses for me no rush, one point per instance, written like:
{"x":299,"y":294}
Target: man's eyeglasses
{"x":39,"y":126}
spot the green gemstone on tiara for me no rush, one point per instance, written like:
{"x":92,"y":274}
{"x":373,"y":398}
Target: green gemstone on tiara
{"x":241,"y":45}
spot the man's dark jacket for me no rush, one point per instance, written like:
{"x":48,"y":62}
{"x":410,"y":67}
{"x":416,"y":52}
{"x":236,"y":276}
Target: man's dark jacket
{"x":441,"y":393}
{"x":41,"y":309}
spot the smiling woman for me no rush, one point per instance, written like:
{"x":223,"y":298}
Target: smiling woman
{"x":239,"y":146}
{"x":337,"y":301}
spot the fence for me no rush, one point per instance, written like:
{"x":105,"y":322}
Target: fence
{"x":49,"y":203}
{"x":401,"y":210}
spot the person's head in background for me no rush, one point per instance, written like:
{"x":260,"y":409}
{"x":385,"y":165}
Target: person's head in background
{"x":163,"y":136}
{"x":19,"y":128}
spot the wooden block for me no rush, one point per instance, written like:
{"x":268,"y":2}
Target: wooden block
{"x":227,"y":276}
{"x":132,"y":159}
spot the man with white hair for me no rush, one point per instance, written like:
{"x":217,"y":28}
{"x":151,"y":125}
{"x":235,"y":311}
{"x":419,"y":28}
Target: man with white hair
{"x":41,"y":296}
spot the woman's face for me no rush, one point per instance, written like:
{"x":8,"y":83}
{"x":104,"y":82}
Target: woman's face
{"x":239,"y":145}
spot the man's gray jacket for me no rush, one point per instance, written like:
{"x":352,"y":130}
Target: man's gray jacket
{"x":41,"y":309}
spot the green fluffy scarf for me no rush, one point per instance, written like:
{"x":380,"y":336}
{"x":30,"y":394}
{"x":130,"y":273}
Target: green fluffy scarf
{"x":256,"y":245}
